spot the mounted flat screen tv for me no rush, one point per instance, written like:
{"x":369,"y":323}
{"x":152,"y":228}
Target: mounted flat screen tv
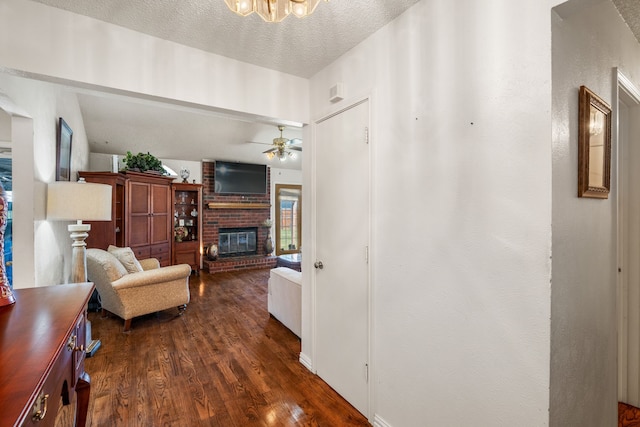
{"x":240,"y":178}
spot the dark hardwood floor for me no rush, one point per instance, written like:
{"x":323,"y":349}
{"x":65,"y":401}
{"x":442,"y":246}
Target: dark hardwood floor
{"x":225,"y":362}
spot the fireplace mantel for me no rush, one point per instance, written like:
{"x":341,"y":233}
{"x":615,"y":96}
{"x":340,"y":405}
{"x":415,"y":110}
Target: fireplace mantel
{"x":240,"y":205}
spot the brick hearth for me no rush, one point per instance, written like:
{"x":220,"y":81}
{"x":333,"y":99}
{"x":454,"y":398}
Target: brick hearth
{"x":240,"y":263}
{"x":235,"y":217}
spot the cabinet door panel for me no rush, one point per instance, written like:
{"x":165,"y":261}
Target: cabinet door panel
{"x":139,"y":198}
{"x":138,"y":230}
{"x":160,"y":199}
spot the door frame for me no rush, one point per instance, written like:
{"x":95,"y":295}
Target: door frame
{"x":310,"y":253}
{"x":621,"y":83}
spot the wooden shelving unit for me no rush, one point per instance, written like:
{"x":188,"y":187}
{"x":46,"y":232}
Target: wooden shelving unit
{"x":187,"y":213}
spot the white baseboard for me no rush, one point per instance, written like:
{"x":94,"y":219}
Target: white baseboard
{"x":306,"y":362}
{"x":379,"y":422}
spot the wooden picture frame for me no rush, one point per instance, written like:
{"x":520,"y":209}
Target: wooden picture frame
{"x":594,"y":146}
{"x":63,"y":151}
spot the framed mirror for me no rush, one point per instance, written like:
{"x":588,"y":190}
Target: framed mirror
{"x":288,"y":219}
{"x":594,"y":146}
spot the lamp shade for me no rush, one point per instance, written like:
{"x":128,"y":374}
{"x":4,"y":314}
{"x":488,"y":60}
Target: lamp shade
{"x":72,"y":201}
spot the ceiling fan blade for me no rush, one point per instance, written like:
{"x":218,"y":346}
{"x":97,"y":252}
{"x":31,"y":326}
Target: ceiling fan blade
{"x":272,"y":150}
{"x":294,"y":148}
{"x":294,"y":141}
{"x":256,"y":142}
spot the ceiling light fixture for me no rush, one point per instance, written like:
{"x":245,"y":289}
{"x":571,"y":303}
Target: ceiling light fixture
{"x":281,"y":148}
{"x":273,"y":10}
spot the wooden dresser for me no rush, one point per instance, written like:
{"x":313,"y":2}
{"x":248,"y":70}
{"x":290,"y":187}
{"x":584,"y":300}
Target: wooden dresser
{"x":42,"y":340}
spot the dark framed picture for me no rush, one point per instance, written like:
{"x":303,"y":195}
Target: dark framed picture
{"x":594,"y":146}
{"x":63,"y":151}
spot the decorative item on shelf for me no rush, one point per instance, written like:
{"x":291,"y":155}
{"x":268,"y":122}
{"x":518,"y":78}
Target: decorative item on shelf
{"x":143,"y":163}
{"x":194,"y":212}
{"x":211,"y":252}
{"x":267,"y":223}
{"x":6,"y":294}
{"x":180,"y":233}
{"x":184,"y":174}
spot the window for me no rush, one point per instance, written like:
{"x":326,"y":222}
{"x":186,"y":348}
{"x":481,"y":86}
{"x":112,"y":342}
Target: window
{"x":288,"y":218}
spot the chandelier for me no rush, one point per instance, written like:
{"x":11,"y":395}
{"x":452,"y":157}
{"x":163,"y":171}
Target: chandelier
{"x":273,"y":10}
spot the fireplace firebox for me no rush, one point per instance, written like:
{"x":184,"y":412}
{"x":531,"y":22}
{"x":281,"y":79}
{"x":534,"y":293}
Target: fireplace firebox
{"x":237,"y":241}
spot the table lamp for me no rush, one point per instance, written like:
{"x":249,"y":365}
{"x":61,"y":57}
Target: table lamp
{"x":78,"y":201}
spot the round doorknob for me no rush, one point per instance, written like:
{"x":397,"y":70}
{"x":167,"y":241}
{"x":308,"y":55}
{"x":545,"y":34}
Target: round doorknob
{"x":318,"y":264}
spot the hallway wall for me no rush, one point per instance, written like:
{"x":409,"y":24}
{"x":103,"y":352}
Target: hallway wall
{"x":587,"y":43}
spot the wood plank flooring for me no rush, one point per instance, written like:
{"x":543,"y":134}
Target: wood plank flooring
{"x":225,"y":362}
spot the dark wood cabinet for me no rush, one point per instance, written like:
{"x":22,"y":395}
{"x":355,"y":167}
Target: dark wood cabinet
{"x":42,"y":343}
{"x":148,"y":216}
{"x":187,"y":217}
{"x":142,"y":214}
{"x":105,"y":233}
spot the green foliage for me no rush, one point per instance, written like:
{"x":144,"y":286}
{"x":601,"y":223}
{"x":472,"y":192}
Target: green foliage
{"x":143,"y":162}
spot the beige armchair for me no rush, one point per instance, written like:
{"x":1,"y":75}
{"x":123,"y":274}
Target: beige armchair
{"x":128,"y":295}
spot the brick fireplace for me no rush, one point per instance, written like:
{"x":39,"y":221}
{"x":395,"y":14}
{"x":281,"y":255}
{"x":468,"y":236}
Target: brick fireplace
{"x":231,"y":214}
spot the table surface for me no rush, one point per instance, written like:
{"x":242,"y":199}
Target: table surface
{"x":32,"y":333}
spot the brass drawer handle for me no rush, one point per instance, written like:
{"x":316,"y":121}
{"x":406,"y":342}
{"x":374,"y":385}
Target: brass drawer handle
{"x":40,"y":408}
{"x":72,"y":345}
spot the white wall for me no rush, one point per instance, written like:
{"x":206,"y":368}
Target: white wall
{"x":53,"y":43}
{"x":43,"y":248}
{"x":460,"y":137}
{"x":587,"y":44}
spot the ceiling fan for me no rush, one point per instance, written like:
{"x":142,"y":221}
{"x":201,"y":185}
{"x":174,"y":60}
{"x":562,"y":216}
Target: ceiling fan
{"x":283,"y":147}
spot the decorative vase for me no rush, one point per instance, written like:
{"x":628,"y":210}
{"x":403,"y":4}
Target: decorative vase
{"x":6,"y":294}
{"x":268,"y":245}
{"x":211,"y":251}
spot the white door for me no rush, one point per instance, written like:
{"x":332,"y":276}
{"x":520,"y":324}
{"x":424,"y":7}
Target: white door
{"x":628,"y":250}
{"x":342,"y":244}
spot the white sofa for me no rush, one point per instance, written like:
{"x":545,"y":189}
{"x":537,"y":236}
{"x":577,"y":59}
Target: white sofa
{"x":284,"y":299}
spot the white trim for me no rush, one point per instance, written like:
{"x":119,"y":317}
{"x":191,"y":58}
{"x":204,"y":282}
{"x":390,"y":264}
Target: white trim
{"x":378,"y":421}
{"x":624,"y":83}
{"x":621,"y":83}
{"x":306,"y":362}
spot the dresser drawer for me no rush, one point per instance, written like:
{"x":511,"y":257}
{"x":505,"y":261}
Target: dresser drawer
{"x":142,"y":252}
{"x":161,"y":252}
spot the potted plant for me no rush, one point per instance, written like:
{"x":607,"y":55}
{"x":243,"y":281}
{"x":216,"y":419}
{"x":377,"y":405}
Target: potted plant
{"x":142,"y":162}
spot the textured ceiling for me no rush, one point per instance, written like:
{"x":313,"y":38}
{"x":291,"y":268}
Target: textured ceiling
{"x":296,"y":46}
{"x":630,"y":11}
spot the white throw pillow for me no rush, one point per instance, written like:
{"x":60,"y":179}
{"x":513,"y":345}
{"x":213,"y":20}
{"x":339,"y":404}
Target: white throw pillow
{"x":126,"y":257}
